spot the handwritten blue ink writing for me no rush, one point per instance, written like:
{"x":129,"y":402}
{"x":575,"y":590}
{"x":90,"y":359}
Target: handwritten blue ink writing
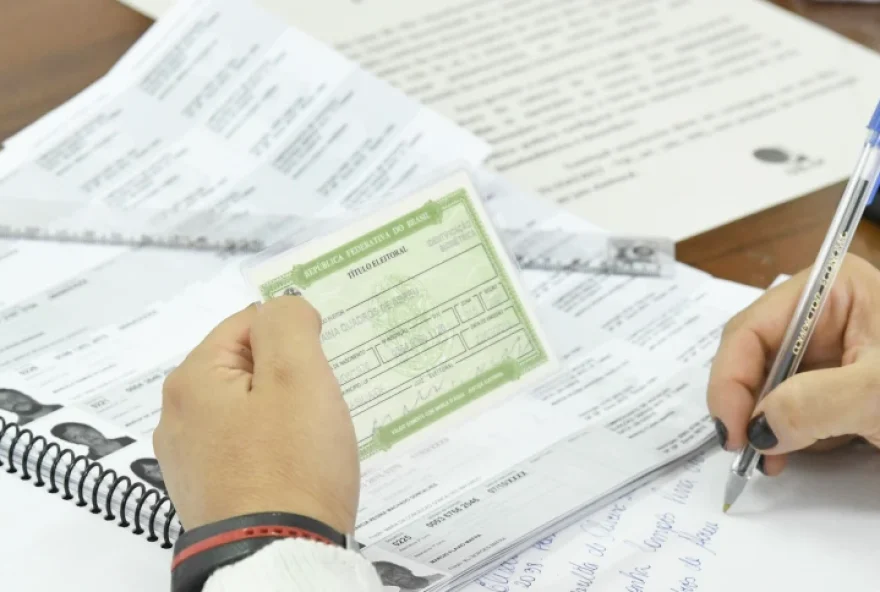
{"x":695,"y":465}
{"x":499,"y":579}
{"x":692,"y":563}
{"x":681,"y":492}
{"x":662,"y":530}
{"x":603,"y":527}
{"x":585,"y":573}
{"x":530,"y":573}
{"x":702,"y":537}
{"x":637,"y":577}
{"x":544,"y":544}
{"x":688,"y":584}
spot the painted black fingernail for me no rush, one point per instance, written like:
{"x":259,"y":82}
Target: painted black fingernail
{"x":760,"y":434}
{"x":761,"y":465}
{"x":721,"y":430}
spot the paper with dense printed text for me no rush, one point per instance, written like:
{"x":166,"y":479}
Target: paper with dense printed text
{"x":645,"y":117}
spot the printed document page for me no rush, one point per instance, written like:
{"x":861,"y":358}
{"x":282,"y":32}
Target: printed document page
{"x":152,"y":134}
{"x":629,"y":400}
{"x":648,"y":117}
{"x":230,"y":112}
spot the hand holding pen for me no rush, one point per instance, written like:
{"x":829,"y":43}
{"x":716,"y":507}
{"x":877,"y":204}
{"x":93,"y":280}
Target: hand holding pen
{"x":823,"y":323}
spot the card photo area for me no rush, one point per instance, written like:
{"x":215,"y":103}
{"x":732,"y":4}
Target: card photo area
{"x":139,"y":463}
{"x":82,"y":433}
{"x":401,"y":575}
{"x":20,"y":405}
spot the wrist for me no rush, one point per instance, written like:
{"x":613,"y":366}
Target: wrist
{"x":262,"y":497}
{"x":200,"y":552}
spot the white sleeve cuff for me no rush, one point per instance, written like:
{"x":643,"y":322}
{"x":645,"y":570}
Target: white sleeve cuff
{"x":297,"y":565}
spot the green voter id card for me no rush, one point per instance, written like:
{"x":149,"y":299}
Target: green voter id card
{"x":422,"y":311}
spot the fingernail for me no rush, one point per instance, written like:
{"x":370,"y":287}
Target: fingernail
{"x":721,"y":430}
{"x":760,"y":434}
{"x":761,"y":465}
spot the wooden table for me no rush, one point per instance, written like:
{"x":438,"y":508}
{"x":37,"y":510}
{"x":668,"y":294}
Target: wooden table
{"x":51,"y":49}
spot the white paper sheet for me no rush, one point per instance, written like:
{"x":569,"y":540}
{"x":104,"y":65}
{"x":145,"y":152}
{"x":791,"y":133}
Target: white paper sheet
{"x":48,"y":544}
{"x":219,"y":116}
{"x":647,"y":117}
{"x":810,"y":529}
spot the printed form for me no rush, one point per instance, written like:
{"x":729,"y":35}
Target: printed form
{"x":224,"y":117}
{"x":628,"y":401}
{"x":293,"y":138}
{"x":647,"y":117}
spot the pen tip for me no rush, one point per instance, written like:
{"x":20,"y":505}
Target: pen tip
{"x":735,"y":485}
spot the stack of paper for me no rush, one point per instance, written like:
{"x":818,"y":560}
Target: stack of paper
{"x":645,"y":117}
{"x":214,"y":114}
{"x":214,"y":121}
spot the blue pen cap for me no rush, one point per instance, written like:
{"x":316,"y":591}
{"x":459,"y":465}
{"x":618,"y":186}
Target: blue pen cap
{"x":874,"y":124}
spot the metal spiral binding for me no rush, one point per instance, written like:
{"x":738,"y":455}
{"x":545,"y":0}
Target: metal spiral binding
{"x":129,"y":492}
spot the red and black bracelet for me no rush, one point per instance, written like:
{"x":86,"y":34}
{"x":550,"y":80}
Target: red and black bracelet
{"x":198,"y":553}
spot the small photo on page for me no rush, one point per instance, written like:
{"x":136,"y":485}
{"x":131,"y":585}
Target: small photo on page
{"x":21,"y":403}
{"x":82,"y":433}
{"x":138,"y":462}
{"x":399,"y":574}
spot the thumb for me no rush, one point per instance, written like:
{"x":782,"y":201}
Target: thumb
{"x":285,"y":342}
{"x":815,"y":406}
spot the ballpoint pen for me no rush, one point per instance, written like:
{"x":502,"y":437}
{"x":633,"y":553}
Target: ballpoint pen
{"x":859,"y":192}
